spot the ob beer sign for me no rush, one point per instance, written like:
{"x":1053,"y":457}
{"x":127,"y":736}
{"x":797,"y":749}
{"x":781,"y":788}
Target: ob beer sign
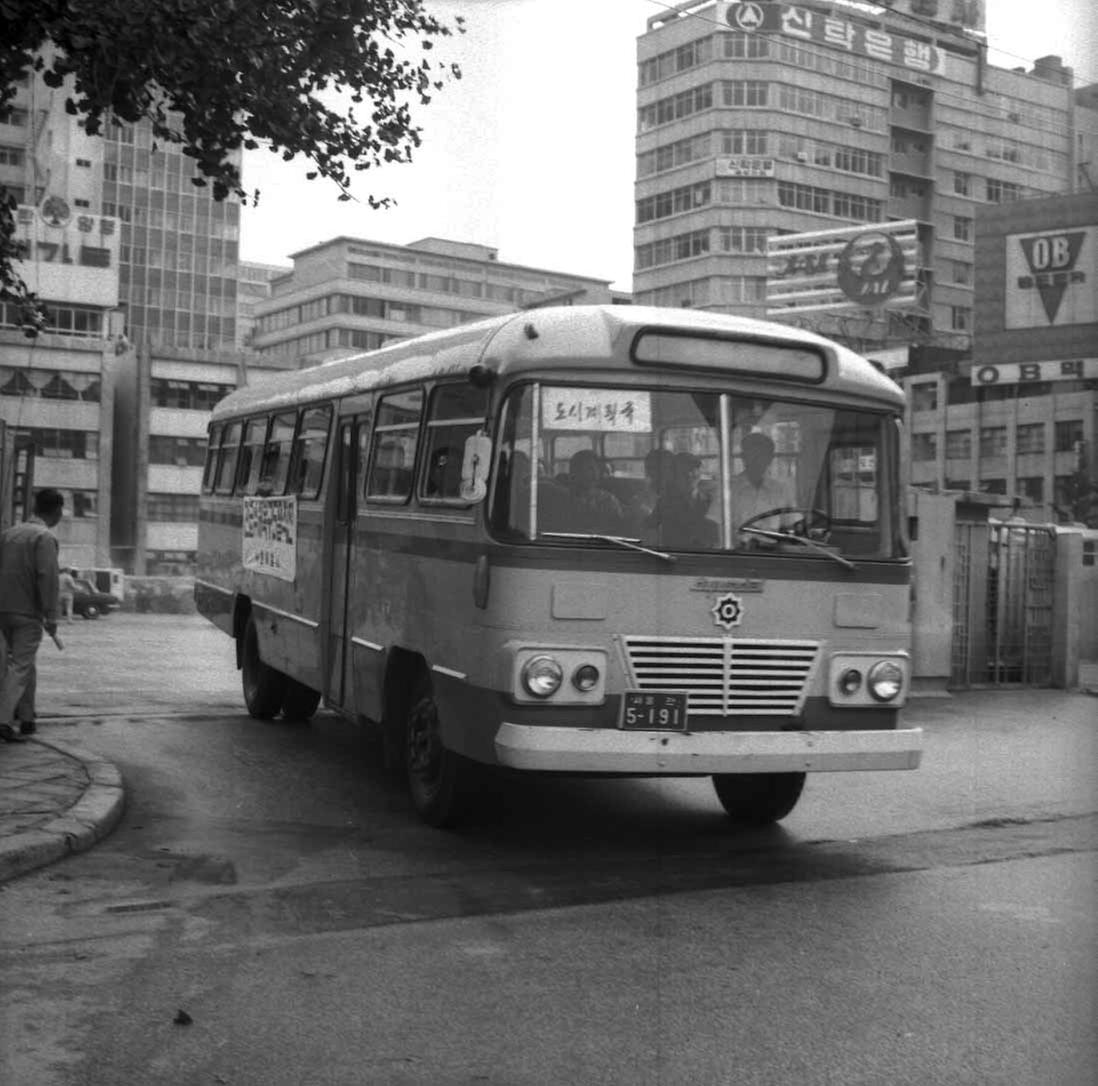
{"x":1051,"y":278}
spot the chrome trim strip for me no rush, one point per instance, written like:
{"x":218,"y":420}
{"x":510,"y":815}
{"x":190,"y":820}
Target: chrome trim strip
{"x":215,"y":587}
{"x":366,"y":644}
{"x":286,"y":614}
{"x":449,"y":671}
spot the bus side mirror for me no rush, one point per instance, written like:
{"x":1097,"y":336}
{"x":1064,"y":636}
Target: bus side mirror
{"x":474,"y":466}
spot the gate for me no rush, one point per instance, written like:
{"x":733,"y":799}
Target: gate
{"x":1002,"y":604}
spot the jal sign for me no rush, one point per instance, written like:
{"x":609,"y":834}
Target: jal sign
{"x":1052,"y":278}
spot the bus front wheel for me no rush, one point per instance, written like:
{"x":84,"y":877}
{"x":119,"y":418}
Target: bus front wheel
{"x":438,"y":779}
{"x":758,"y":799}
{"x":264,"y":687}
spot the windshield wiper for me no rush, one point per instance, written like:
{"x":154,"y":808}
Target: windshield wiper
{"x":621,"y":541}
{"x":784,"y":537}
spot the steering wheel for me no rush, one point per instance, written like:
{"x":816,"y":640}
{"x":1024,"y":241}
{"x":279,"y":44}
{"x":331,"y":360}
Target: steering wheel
{"x":806,"y":511}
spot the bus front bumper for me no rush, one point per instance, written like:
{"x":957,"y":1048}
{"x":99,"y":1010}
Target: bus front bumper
{"x":610,"y":750}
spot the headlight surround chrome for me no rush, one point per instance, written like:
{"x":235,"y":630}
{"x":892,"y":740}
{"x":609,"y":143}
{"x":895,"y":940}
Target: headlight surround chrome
{"x":885,"y":680}
{"x":542,"y":676}
{"x":850,"y":682}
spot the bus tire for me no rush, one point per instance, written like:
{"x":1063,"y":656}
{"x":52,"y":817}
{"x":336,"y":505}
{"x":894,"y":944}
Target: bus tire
{"x":264,"y":687}
{"x":299,"y":702}
{"x":438,"y":778}
{"x":758,"y":799}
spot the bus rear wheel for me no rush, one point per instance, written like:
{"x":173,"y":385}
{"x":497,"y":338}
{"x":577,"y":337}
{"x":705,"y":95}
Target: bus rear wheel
{"x":264,"y":687}
{"x":758,"y":799}
{"x":438,"y":779}
{"x":299,"y":701}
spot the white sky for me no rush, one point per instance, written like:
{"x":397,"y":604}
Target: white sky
{"x":532,"y":151}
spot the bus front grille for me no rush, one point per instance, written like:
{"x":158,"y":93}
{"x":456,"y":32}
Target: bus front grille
{"x":725,"y":676}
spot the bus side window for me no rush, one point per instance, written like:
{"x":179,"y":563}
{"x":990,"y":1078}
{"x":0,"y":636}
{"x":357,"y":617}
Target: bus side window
{"x":213,"y":447}
{"x":396,"y":435}
{"x":310,"y":446}
{"x":275,"y":469}
{"x":251,"y":455}
{"x":226,"y":460}
{"x":456,"y":413}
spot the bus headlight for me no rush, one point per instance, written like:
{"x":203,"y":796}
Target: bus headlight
{"x":585,"y":678}
{"x":542,"y":676}
{"x":885,"y":680}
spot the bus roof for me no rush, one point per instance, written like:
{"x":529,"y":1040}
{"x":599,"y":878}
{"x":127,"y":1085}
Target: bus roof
{"x":582,"y":336}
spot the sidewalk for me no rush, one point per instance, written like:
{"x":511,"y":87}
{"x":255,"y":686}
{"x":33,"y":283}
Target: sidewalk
{"x":54,"y":799}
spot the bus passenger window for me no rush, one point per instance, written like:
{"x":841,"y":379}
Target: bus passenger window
{"x":212,"y":448}
{"x":226,"y":461}
{"x":251,"y":455}
{"x":309,"y":449}
{"x":275,"y":468}
{"x":396,"y":433}
{"x":455,"y":414}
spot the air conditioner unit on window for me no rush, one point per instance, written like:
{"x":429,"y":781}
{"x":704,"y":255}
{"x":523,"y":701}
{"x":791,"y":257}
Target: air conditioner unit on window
{"x":802,"y":156}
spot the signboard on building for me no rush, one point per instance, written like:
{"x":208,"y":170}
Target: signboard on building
{"x":1015,"y":373}
{"x":852,"y":267}
{"x":829,"y":28}
{"x":68,"y":254}
{"x":744,"y":166}
{"x":1052,"y":278}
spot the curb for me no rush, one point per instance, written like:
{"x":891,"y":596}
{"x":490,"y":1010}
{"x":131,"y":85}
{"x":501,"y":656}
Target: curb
{"x":87,"y":821}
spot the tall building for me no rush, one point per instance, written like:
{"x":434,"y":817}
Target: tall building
{"x":350,"y":294}
{"x":759,"y":120}
{"x":253,"y":286}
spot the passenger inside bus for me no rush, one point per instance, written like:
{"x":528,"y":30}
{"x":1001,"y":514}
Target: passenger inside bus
{"x":679,"y":519}
{"x":444,"y":474}
{"x":593,"y":507}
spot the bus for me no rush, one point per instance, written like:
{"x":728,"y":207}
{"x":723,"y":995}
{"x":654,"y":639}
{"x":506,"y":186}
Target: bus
{"x":522,"y":543}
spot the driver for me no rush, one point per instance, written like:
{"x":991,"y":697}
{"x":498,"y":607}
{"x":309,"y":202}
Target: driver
{"x":754,"y":492}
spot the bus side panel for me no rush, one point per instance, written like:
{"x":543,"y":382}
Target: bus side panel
{"x":411,"y":588}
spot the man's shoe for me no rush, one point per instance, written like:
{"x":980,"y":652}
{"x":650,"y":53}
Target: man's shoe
{"x":10,"y":735}
{"x":27,"y":727}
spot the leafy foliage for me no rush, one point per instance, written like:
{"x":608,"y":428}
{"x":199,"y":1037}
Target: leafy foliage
{"x":218,"y":77}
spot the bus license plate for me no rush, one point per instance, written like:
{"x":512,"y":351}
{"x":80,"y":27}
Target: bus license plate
{"x":654,"y":711}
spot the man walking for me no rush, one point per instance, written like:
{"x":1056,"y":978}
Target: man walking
{"x":28,"y":602}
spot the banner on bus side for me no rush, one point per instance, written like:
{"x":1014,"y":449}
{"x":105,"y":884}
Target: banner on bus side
{"x":269,"y":542}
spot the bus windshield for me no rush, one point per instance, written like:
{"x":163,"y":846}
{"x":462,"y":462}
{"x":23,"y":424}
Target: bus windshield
{"x":694,"y":471}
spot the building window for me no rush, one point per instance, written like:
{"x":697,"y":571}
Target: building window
{"x":924,"y":396}
{"x":11,"y":156}
{"x":924,"y":446}
{"x":958,"y":484}
{"x":993,"y":441}
{"x":172,"y":508}
{"x":993,"y":486}
{"x":962,"y":228}
{"x":1033,"y":487}
{"x":1030,"y":438}
{"x":1068,"y":434}
{"x":958,"y":444}
{"x":962,"y":183}
{"x":962,"y":272}
{"x":960,"y":318}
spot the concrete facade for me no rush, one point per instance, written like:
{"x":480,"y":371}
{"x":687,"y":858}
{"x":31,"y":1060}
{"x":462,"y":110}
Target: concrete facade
{"x":350,"y":294}
{"x":832,"y":116}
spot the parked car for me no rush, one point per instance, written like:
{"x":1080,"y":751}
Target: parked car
{"x":89,"y":602}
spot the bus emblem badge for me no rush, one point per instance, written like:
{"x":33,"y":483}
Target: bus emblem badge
{"x":727,"y":611}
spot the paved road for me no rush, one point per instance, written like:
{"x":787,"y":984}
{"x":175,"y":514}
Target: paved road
{"x":270,"y":882}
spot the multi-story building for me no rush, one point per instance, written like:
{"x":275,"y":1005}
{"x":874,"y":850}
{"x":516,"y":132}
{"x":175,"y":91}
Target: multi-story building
{"x":1021,"y":417}
{"x":349,"y":294}
{"x":253,"y":286}
{"x":758,"y":120}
